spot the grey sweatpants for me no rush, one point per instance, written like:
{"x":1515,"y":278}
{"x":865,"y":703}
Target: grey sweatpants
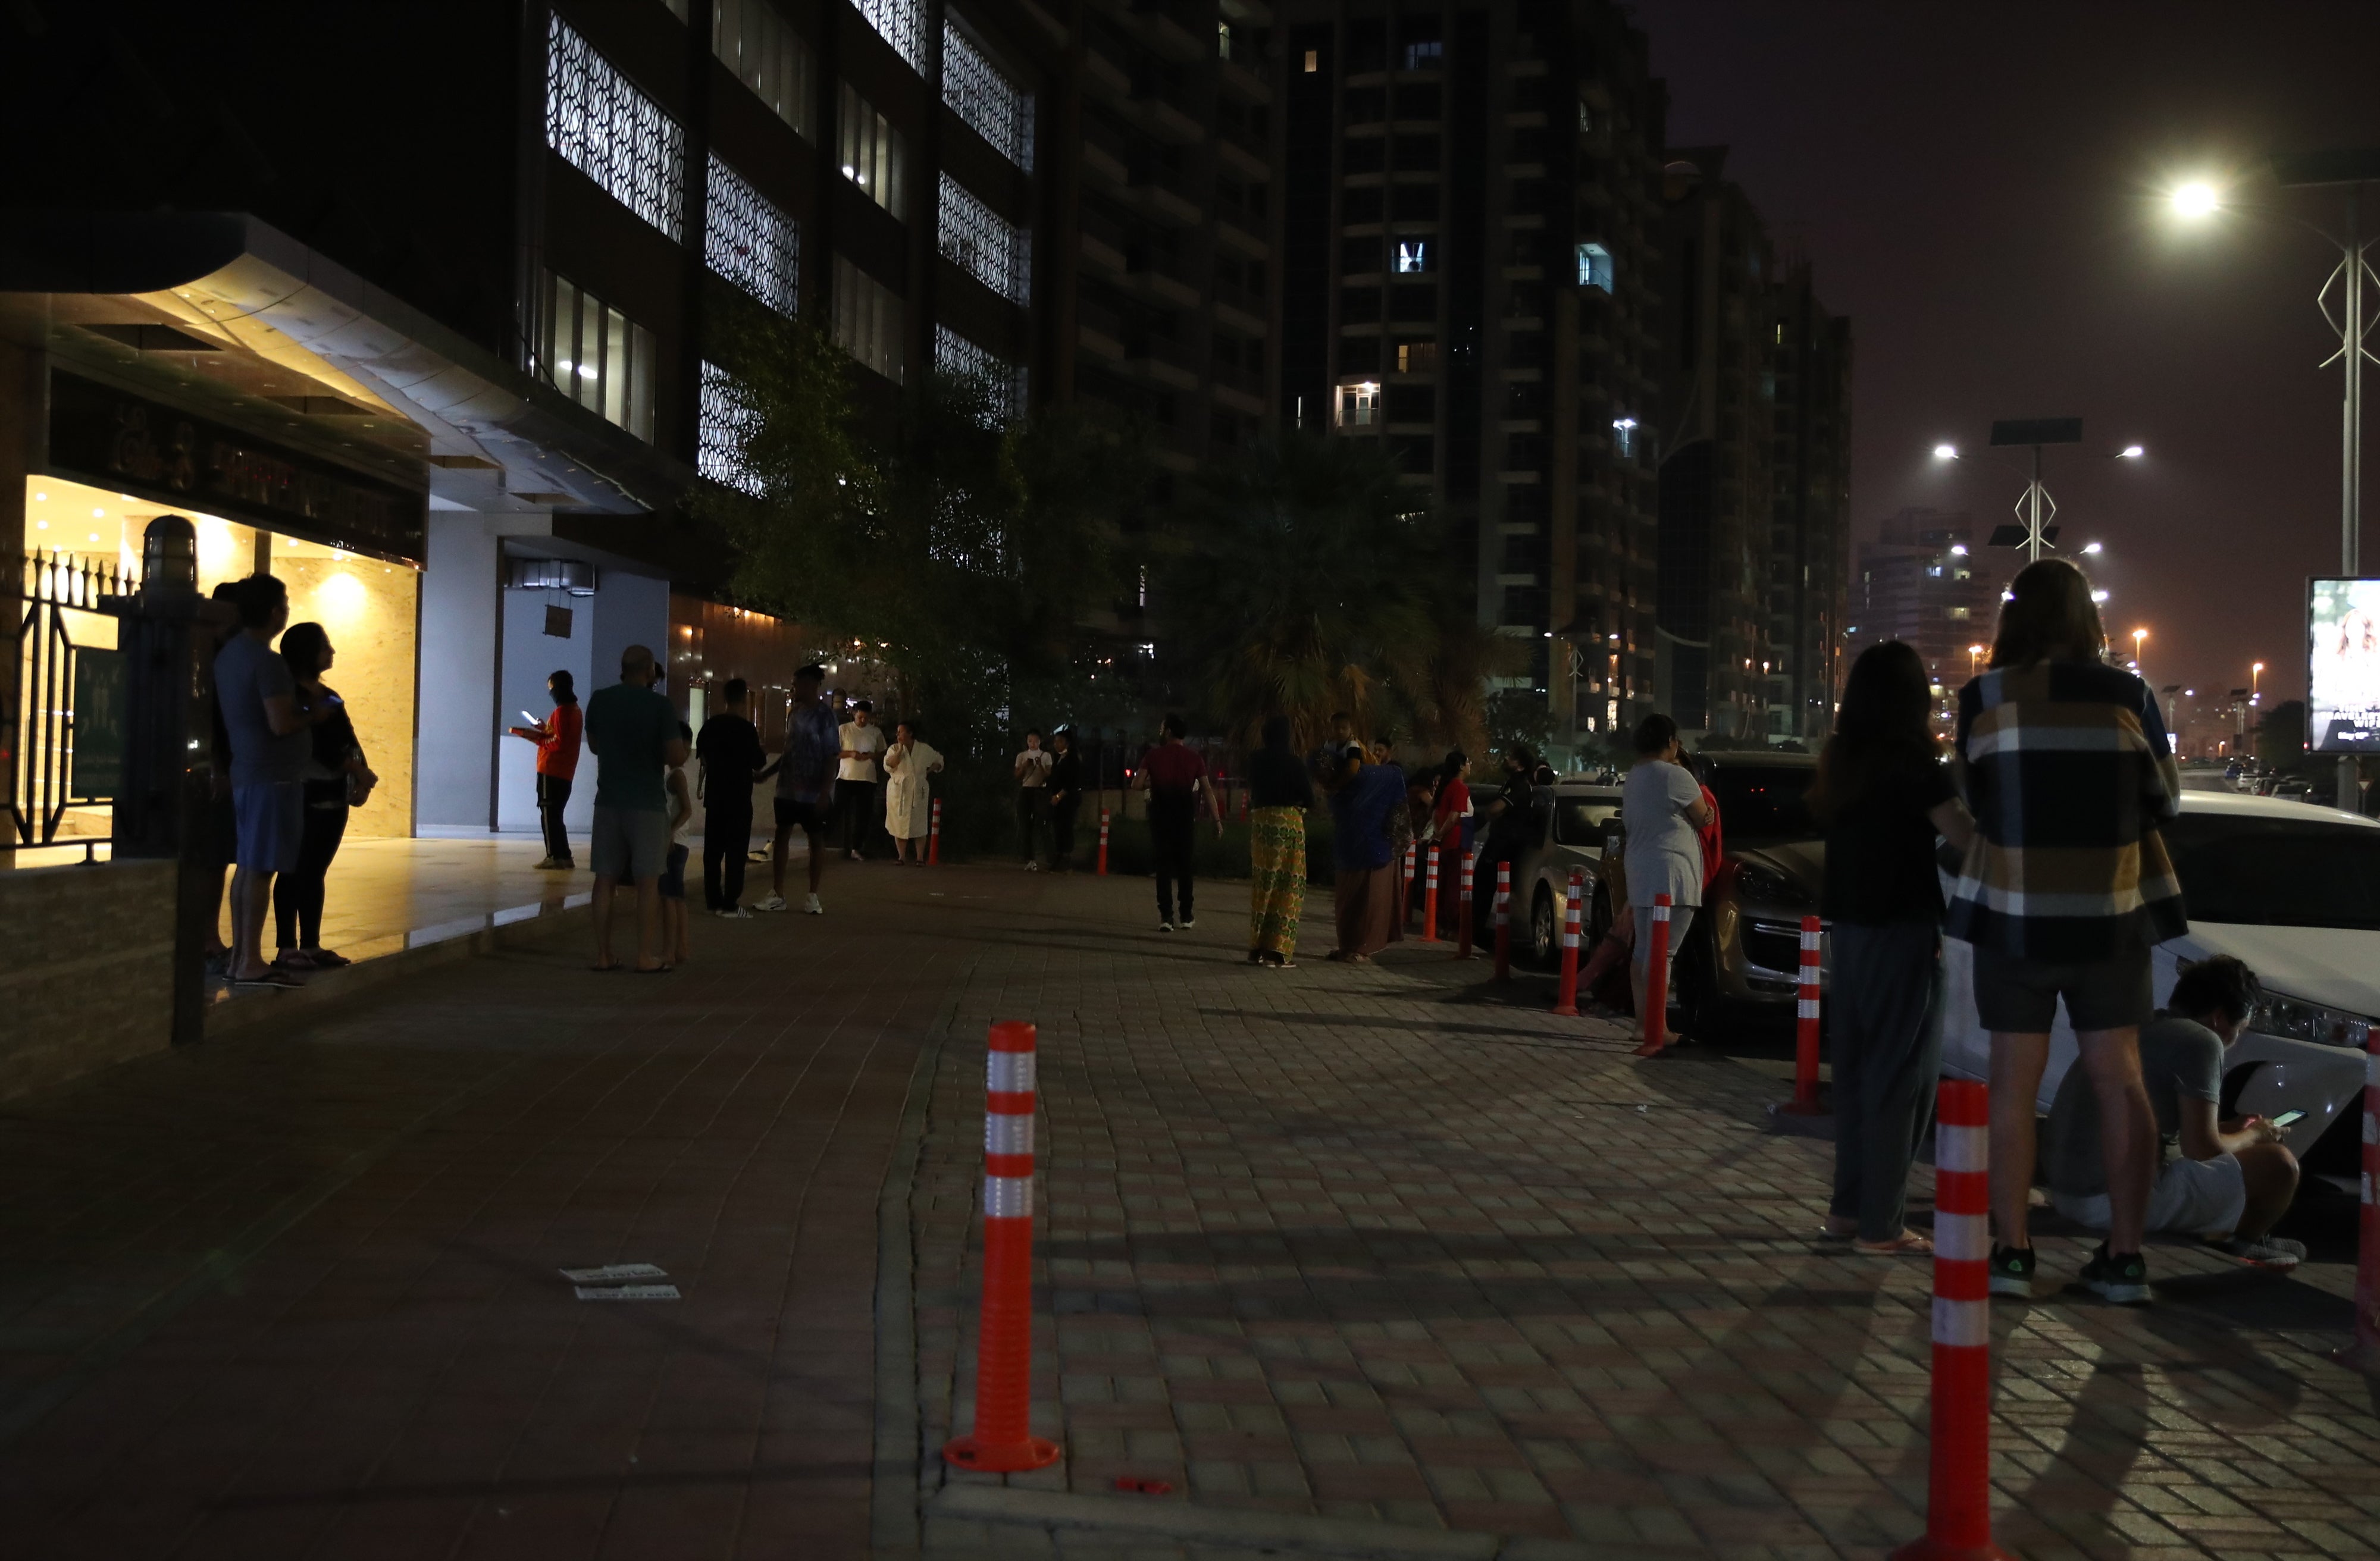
{"x":1884,"y":1031}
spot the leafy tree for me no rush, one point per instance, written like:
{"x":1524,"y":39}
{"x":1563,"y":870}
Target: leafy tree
{"x":2281,"y":735}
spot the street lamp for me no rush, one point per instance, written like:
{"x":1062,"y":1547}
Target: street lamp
{"x":2131,"y":453}
{"x":2255,"y":680}
{"x":2094,"y":549}
{"x":1974,"y":654}
{"x":2196,"y":200}
{"x":2036,"y":524}
{"x":2138,"y":635}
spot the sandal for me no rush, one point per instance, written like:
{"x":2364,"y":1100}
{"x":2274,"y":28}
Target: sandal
{"x":1842,"y":1228}
{"x":273,"y":976}
{"x":1909,"y":1243}
{"x":323,"y":958}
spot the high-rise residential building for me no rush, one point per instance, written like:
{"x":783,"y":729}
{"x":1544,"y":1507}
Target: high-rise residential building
{"x":1468,"y":226}
{"x":1809,"y":551}
{"x":1920,"y":582}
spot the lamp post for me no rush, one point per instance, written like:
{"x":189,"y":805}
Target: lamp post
{"x":2350,"y":169}
{"x":2138,"y":635}
{"x":2036,"y":525}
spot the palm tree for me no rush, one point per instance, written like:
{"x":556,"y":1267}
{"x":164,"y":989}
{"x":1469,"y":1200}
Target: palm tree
{"x":1305,"y":579}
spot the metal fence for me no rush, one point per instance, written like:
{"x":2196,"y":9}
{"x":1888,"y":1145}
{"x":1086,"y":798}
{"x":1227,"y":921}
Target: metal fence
{"x":39,"y":693}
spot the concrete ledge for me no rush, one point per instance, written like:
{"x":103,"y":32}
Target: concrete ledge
{"x":1182,"y":1522}
{"x":525,"y":927}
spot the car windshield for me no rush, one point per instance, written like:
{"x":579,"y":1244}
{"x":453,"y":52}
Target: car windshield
{"x":1763,"y":804}
{"x":1579,"y":821}
{"x":2277,"y":872}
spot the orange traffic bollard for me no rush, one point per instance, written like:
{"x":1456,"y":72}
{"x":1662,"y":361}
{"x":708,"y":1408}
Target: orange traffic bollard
{"x":934,"y":834}
{"x":1958,"y":1486}
{"x":1566,"y":995}
{"x":2364,"y":1353}
{"x":1654,"y":1023}
{"x":1503,"y":921}
{"x":1805,"y":1101}
{"x":1462,"y":912}
{"x":1430,"y":895}
{"x":1004,"y":1442}
{"x":1103,"y":842}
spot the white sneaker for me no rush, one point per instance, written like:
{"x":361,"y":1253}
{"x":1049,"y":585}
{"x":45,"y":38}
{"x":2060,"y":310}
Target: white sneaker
{"x":775,"y":903}
{"x":813,"y":908}
{"x":1165,"y":926}
{"x":1189,"y":922}
{"x":737,"y":913}
{"x":1032,"y":866}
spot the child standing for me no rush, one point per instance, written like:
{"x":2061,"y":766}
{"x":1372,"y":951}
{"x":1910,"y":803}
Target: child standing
{"x":675,"y":948}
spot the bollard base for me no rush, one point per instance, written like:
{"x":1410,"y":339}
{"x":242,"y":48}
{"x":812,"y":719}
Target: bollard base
{"x":1799,"y":1106}
{"x":1931,"y":1549}
{"x":1000,"y":1458}
{"x":2358,"y":1357}
{"x":1652,"y":1048}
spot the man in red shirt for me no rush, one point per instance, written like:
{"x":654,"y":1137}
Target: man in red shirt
{"x":1176,"y":779}
{"x":557,"y":738}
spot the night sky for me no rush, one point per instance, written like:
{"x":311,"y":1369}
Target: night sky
{"x":1981,"y":187}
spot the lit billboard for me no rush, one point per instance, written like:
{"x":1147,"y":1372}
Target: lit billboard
{"x":2343,"y":666}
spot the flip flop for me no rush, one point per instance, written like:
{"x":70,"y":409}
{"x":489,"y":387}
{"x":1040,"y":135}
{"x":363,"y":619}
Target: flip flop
{"x":277,"y":978}
{"x":656,"y":970}
{"x":1909,"y":1243}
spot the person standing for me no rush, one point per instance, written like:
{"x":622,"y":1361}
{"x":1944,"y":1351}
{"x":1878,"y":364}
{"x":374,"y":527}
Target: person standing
{"x":1033,"y":767}
{"x":909,"y":765}
{"x":1513,"y":819}
{"x":1882,"y":794}
{"x":855,"y":781}
{"x":223,"y":819}
{"x":1280,"y":791}
{"x":676,"y":948}
{"x":269,"y":720}
{"x":336,"y":778}
{"x":806,"y":774}
{"x":1450,"y":826}
{"x":1662,"y":804}
{"x":557,"y":738}
{"x":1065,"y":800}
{"x":732,"y":759}
{"x":2064,"y":889}
{"x":633,"y":733}
{"x":1363,"y":808}
{"x":1175,"y":779}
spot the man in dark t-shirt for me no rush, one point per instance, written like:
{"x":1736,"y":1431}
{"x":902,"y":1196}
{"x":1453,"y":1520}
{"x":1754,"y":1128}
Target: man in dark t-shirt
{"x":1175,"y":779}
{"x":732,"y":757}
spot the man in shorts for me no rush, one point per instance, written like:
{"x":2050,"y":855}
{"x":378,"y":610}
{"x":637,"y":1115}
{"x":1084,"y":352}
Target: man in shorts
{"x":805,"y":773}
{"x":633,"y":732}
{"x":2230,"y":1180}
{"x":264,"y":715}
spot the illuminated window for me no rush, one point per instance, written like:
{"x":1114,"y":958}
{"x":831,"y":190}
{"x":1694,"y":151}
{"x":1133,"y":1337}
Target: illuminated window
{"x":1412,"y":255}
{"x":977,"y":91}
{"x":1416,"y":357}
{"x":613,"y":134}
{"x":596,"y":356}
{"x":720,"y":432}
{"x":1359,"y":406}
{"x":871,"y":151}
{"x":1427,"y":54}
{"x":766,"y":55}
{"x":1595,"y":266}
{"x":998,"y":254}
{"x":902,"y":23}
{"x":867,"y":320}
{"x":751,"y":240}
{"x":1313,"y":61}
{"x":954,"y":354}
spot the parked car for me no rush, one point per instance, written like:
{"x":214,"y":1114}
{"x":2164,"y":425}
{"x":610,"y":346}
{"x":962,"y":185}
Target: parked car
{"x":1572,"y":816}
{"x":2295,"y":892}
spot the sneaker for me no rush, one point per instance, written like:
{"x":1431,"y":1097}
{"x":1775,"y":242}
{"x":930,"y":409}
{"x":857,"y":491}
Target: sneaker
{"x":733,"y":913}
{"x":1165,"y":926}
{"x":812,"y":907}
{"x":2264,"y":1251}
{"x":1032,"y":866}
{"x":1188,"y":921}
{"x":2013,"y":1272}
{"x":775,"y":903}
{"x":2120,"y":1277}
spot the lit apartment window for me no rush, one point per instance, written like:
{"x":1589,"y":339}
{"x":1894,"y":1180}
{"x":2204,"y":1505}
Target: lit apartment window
{"x":1595,"y":266}
{"x":1313,"y":61}
{"x":1427,"y":55}
{"x":871,"y":151}
{"x":1416,"y":357}
{"x":867,"y":320}
{"x":1585,"y":120}
{"x":954,"y":354}
{"x":997,"y":254}
{"x":1412,"y":255}
{"x":597,"y":356}
{"x":988,"y":100}
{"x":719,"y":435}
{"x":1359,"y":406}
{"x":611,"y":133}
{"x":751,"y":240}
{"x":902,"y":24}
{"x":766,"y":55}
{"x":1624,"y":436}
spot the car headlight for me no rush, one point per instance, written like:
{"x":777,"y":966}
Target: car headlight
{"x":1768,"y":888}
{"x":2310,"y":1022}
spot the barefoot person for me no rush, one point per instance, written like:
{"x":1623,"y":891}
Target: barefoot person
{"x":805,"y":773}
{"x":633,"y":733}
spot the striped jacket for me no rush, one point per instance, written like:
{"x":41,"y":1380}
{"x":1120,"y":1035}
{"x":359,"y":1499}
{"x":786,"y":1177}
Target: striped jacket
{"x":2068,"y":769}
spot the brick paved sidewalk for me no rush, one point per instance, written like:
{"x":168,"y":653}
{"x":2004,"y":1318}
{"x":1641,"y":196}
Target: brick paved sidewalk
{"x":1356,"y":1262}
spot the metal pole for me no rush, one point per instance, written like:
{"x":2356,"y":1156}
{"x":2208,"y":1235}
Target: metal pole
{"x":2032,"y":542}
{"x":2351,"y":498}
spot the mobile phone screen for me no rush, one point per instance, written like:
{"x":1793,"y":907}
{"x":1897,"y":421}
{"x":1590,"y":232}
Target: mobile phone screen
{"x":2286,"y":1117}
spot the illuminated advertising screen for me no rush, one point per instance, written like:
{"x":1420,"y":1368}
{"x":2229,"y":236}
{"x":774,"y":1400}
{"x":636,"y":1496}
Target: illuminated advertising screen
{"x":2343,"y":666}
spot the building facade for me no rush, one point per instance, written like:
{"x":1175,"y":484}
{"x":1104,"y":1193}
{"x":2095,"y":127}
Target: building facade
{"x":1469,"y":228}
{"x":1923,"y":582}
{"x":1810,"y":542}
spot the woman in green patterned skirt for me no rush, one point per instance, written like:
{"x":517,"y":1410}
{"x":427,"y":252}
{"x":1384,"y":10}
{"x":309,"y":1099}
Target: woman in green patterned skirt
{"x":1279,"y":794}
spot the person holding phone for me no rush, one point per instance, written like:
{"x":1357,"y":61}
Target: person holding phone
{"x":557,"y":738}
{"x":2230,"y":1181}
{"x":336,"y":779}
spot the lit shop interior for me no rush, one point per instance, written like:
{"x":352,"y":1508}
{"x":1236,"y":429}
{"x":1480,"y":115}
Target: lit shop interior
{"x":367,"y":605}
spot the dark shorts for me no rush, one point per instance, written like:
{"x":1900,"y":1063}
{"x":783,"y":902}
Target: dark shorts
{"x":794,"y":812}
{"x":2018,"y":995}
{"x":674,"y":873}
{"x":272,"y":818}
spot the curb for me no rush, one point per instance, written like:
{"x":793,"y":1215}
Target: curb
{"x":1179,"y":1522}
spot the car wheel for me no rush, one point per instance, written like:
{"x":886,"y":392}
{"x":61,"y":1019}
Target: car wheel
{"x":1545,"y":930}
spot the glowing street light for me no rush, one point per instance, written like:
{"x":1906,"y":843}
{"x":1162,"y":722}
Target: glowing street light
{"x":1946,"y":451}
{"x":2138,"y":635}
{"x":2094,"y":549}
{"x":2255,"y":679}
{"x":2131,"y":453}
{"x":2196,"y":200}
